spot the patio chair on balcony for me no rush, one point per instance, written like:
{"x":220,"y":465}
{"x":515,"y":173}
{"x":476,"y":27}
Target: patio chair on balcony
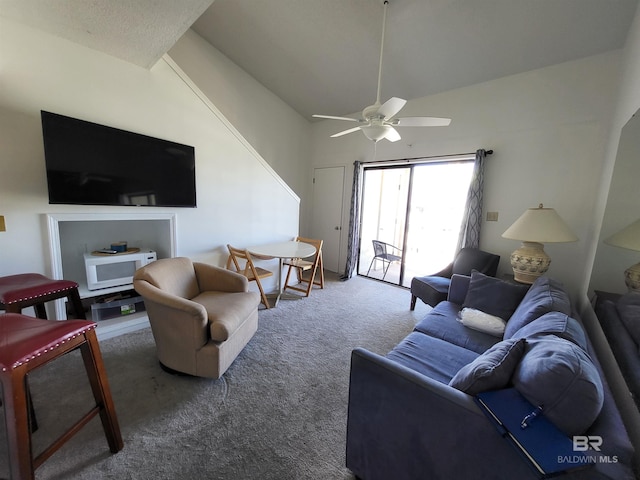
{"x":383,"y":251}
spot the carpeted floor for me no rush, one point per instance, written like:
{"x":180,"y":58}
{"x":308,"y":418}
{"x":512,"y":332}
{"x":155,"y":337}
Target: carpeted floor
{"x":279,"y":412}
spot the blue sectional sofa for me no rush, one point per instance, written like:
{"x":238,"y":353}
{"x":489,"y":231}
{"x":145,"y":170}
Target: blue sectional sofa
{"x":412,"y":414}
{"x":620,"y":323}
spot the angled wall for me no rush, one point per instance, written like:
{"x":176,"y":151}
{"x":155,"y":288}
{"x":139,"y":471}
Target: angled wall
{"x":241,"y":200}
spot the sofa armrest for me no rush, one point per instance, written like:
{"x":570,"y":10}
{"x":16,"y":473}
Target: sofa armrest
{"x":458,"y":288}
{"x":217,"y":279}
{"x":402,"y":424}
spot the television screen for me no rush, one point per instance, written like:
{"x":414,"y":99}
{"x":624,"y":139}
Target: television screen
{"x":92,"y":164}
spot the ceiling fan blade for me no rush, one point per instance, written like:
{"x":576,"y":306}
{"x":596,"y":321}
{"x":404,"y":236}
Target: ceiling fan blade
{"x":421,"y":122}
{"x":392,"y":135}
{"x":345,"y":132}
{"x":331,"y":117}
{"x":391,"y":107}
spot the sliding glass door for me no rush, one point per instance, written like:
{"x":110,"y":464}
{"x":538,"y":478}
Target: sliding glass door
{"x":416,"y":212}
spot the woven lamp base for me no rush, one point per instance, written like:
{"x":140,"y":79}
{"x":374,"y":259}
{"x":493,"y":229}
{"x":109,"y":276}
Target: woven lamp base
{"x":529,"y":262}
{"x":632,"y":278}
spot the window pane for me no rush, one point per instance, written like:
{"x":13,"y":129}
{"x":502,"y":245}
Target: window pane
{"x":437,"y":203}
{"x":384,"y":208}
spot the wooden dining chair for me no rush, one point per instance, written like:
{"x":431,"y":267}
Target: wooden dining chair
{"x":243,"y":264}
{"x":302,"y":265}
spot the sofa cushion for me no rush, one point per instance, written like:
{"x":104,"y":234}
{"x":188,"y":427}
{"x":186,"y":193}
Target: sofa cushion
{"x":492,"y":370}
{"x":555,"y":323}
{"x":431,"y":356}
{"x":483,"y":322}
{"x":493,"y":296}
{"x":545,"y":295}
{"x":441,"y":323}
{"x":628,"y":307}
{"x":560,"y":376}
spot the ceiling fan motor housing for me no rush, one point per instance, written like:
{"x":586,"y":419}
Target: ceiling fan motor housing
{"x":371,"y":111}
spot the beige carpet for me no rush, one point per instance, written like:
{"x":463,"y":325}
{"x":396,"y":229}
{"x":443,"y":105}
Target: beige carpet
{"x":278,"y":413}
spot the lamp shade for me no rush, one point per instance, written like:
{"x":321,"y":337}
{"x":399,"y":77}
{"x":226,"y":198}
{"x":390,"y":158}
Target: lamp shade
{"x":535,"y":227}
{"x":542,"y":225}
{"x":628,"y":237}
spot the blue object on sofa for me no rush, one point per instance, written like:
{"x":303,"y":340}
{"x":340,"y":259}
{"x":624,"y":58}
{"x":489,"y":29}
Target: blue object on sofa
{"x":432,"y":289}
{"x":406,"y":422}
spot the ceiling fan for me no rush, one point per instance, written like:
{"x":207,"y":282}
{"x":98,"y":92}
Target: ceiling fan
{"x":378,"y":120}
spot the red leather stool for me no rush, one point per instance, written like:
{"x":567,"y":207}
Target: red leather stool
{"x":33,"y":290}
{"x":27,"y":343}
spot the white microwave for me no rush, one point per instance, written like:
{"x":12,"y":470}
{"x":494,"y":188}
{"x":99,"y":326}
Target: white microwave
{"x":113,"y":270}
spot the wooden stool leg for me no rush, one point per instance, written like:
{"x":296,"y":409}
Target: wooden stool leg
{"x":74,"y":298}
{"x":17,"y":424}
{"x":41,"y":311}
{"x":33,"y":420}
{"x":102,"y":393}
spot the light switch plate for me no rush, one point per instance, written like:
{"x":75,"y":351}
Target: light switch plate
{"x":492,"y":216}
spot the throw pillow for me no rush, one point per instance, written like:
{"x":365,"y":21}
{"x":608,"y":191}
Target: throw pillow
{"x":493,"y":296}
{"x":629,"y":310}
{"x":558,"y":375}
{"x":492,"y":370}
{"x":544,"y":295}
{"x":556,"y":323}
{"x":483,"y":322}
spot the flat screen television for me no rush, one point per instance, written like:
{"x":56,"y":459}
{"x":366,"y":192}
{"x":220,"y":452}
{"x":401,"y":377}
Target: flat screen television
{"x":92,"y":164}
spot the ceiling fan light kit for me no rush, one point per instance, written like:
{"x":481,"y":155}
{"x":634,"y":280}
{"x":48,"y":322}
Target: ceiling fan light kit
{"x":378,"y":120}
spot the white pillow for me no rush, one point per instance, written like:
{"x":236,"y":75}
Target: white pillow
{"x":483,"y":322}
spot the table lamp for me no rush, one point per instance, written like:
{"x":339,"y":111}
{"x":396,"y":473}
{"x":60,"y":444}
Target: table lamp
{"x":535,"y":227}
{"x":629,"y":238}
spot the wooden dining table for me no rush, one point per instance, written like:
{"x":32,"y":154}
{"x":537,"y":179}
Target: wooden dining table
{"x":281,"y":251}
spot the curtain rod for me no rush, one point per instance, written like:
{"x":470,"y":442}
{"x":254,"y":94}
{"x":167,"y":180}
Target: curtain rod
{"x":435,"y":158}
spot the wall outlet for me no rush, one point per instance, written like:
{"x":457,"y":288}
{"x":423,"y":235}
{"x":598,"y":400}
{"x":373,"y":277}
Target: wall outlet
{"x":492,"y":216}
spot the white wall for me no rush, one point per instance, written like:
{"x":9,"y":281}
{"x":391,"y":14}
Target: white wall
{"x":548,"y":129}
{"x":274,"y":129}
{"x":241,"y":200}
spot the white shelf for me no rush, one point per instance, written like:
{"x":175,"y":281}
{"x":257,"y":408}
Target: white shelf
{"x":86,"y":293}
{"x":120,"y":325}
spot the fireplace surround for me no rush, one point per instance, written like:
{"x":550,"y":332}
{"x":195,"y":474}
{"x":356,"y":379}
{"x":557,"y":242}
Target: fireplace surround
{"x":71,"y":235}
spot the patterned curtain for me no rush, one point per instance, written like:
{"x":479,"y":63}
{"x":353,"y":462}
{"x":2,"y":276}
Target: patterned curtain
{"x":354,"y":223}
{"x":472,"y":218}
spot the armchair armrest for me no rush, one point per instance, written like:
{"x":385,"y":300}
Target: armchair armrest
{"x":179,"y":304}
{"x":217,"y":279}
{"x":445,"y":272}
{"x":184,"y":318}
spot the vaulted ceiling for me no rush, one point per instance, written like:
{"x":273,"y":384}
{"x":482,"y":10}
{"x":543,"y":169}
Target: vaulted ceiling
{"x":322,"y":56}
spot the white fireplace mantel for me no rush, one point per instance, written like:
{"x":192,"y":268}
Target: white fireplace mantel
{"x":72,"y":234}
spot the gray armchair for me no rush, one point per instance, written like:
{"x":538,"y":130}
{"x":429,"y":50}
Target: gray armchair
{"x":432,"y":289}
{"x":201,"y":316}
